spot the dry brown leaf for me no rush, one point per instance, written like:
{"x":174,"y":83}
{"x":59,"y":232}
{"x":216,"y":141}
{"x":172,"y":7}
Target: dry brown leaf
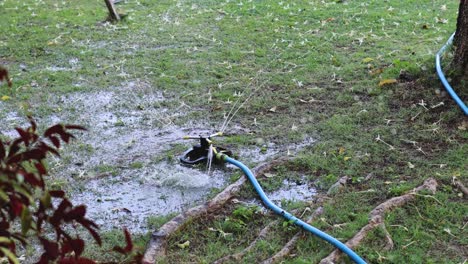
{"x":387,"y":82}
{"x":376,"y":71}
{"x":269,"y":175}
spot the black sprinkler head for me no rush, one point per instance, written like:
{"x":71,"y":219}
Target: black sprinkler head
{"x":199,"y":153}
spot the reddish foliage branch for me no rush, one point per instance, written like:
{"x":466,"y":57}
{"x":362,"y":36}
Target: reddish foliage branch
{"x":22,"y":174}
{"x":4,"y":76}
{"x":25,"y":200}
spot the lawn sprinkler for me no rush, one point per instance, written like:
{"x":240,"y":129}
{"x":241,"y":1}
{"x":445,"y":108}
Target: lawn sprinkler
{"x":203,"y":152}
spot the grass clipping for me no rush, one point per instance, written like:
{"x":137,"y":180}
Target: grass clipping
{"x":377,"y":216}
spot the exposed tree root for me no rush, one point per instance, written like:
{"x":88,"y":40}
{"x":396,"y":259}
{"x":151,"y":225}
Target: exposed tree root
{"x":158,"y":243}
{"x":460,"y":186}
{"x":376,"y":219}
{"x":286,"y":250}
{"x":238,"y":256}
{"x":388,"y":238}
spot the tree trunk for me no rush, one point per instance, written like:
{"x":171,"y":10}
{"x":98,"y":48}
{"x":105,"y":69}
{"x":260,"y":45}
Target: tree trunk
{"x":113,"y":15}
{"x":460,"y":60}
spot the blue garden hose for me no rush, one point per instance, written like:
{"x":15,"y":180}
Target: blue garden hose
{"x":444,"y":81}
{"x":356,"y":258}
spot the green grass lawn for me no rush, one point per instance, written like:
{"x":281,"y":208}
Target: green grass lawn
{"x":358,"y":76}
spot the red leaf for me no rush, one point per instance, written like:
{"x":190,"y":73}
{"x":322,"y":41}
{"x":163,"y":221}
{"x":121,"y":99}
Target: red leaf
{"x":43,"y":259}
{"x":76,"y":213}
{"x":57,"y":193}
{"x":66,"y":248}
{"x":75,"y":127}
{"x":78,"y":246}
{"x":15,"y":159}
{"x":55,"y":141}
{"x":60,"y":212}
{"x":96,"y":236}
{"x":4,"y":225}
{"x":14,"y":147}
{"x":44,"y":147}
{"x":40,"y":168}
{"x":2,"y":150}
{"x":16,"y":205}
{"x":56,"y":129}
{"x":31,"y":179}
{"x":128,"y":239}
{"x":33,"y":123}
{"x":51,"y":248}
{"x":66,"y":137}
{"x":24,"y":135}
{"x":91,"y":226}
{"x":34,"y":154}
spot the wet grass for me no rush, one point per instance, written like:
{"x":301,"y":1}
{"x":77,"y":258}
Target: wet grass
{"x":314,"y":68}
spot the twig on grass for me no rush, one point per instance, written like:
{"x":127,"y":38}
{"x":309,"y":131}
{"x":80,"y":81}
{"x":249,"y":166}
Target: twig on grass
{"x":378,"y":139}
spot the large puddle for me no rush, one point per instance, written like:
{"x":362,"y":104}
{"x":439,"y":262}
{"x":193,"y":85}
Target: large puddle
{"x":116,"y":169}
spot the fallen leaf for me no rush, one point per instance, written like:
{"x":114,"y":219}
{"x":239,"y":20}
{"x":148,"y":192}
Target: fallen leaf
{"x":273,"y":109}
{"x":184,"y":245}
{"x":449,"y":231}
{"x":367,"y":60}
{"x":442,"y":20}
{"x":269,"y":175}
{"x":346,"y":158}
{"x":5,"y":98}
{"x":216,"y":107}
{"x":463,"y":126}
{"x":411,"y":165}
{"x":311,"y":100}
{"x":341,"y":150}
{"x":387,"y":82}
{"x":376,"y":71}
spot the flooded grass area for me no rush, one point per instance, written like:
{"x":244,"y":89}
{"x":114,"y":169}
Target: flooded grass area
{"x":125,"y":166}
{"x":319,"y":81}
